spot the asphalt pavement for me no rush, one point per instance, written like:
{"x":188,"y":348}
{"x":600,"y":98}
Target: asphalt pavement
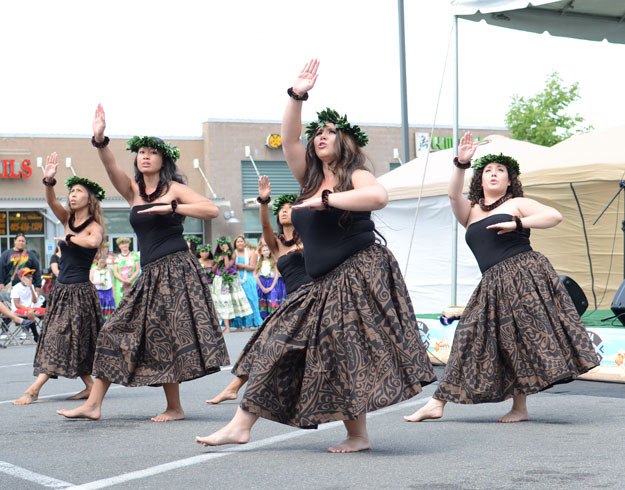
{"x":573,"y":440}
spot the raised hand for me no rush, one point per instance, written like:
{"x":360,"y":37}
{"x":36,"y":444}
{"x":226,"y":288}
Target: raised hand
{"x":306,"y":79}
{"x":99,"y":123}
{"x":264,"y":187}
{"x":466,"y":148}
{"x":52,"y":165}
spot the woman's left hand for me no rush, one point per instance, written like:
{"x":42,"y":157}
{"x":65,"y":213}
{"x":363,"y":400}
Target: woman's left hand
{"x":312,"y":203}
{"x":52,"y":165}
{"x":503,"y":227}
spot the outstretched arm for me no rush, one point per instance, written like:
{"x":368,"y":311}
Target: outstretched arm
{"x":264,"y":191}
{"x":367,"y":195}
{"x":117,"y":176}
{"x":52,"y":164}
{"x":460,"y":205}
{"x":188,"y":203}
{"x":294,"y":151}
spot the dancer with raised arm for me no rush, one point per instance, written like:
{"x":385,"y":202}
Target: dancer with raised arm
{"x":287,"y":246}
{"x":352,"y":345}
{"x":519,"y":333}
{"x":165,"y":330}
{"x":72,"y":320}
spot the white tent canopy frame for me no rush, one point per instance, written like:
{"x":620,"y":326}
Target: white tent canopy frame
{"x":591,"y":20}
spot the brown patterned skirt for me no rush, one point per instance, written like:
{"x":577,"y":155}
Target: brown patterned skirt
{"x":519,"y":334}
{"x":67,"y":343}
{"x":165,"y":330}
{"x":343,"y":346}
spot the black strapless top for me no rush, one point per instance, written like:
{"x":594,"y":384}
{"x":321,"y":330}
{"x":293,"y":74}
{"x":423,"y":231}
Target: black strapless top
{"x":293,"y":271}
{"x":490,"y":248}
{"x":158,"y":234}
{"x":75,"y":263}
{"x":327,"y":241}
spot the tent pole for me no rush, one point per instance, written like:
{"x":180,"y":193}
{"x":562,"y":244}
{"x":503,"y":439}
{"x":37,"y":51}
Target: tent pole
{"x":403,"y":85}
{"x":454,"y":238}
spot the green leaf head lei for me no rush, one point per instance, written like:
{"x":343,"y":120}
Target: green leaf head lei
{"x":193,"y":239}
{"x":137,"y":142}
{"x":203,"y":248}
{"x":89,"y":184}
{"x":340,"y":122}
{"x":281,"y":201}
{"x":509,"y":162}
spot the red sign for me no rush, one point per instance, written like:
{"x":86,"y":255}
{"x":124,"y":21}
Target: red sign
{"x":10,"y":170}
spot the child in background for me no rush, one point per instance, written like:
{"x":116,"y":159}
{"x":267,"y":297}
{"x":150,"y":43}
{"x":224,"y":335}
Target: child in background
{"x":270,"y":285}
{"x":100,"y":276}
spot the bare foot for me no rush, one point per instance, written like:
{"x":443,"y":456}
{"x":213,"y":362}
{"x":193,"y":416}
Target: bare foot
{"x":26,"y":399}
{"x":81,"y":395}
{"x":431,"y":410}
{"x":225,"y":435}
{"x":82,"y":412}
{"x":226,"y":330}
{"x":352,"y":444}
{"x":514,"y":416}
{"x":169,"y":415}
{"x":224,"y":395}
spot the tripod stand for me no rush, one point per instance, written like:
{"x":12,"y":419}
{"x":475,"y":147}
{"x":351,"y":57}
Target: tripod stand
{"x":617,"y":307}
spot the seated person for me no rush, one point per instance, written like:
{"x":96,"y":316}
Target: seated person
{"x":25,"y":323}
{"x":24,"y":297}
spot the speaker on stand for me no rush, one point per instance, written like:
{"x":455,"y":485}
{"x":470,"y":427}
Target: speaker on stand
{"x":618,"y":304}
{"x":576,"y":293}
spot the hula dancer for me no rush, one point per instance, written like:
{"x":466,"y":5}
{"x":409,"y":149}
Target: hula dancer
{"x":352,"y":345}
{"x":73,"y":318}
{"x":519,"y":333}
{"x":287,"y":246}
{"x":165,"y":331}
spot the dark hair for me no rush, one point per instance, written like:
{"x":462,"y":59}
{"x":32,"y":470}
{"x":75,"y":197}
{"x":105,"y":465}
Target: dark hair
{"x":476,"y":192}
{"x":169,"y":171}
{"x":280,"y":233}
{"x":218,"y":251}
{"x":349,"y":157}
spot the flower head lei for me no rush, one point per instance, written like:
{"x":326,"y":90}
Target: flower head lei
{"x":340,"y":122}
{"x":89,"y":184}
{"x":281,"y":201}
{"x":137,"y":142}
{"x":204,"y":248}
{"x":509,"y":162}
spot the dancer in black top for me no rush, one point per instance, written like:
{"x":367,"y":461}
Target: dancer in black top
{"x":352,"y":345}
{"x":287,"y":246}
{"x":72,"y":321}
{"x":520,"y":332}
{"x":165,"y":330}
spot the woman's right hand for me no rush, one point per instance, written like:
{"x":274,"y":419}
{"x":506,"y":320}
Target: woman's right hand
{"x":264,"y":187}
{"x":306,"y":79}
{"x":466,"y":148}
{"x":52,"y":165}
{"x":99,"y":124}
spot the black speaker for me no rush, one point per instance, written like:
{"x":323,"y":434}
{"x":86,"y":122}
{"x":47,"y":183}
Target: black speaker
{"x":576,"y":293}
{"x":618,"y":303}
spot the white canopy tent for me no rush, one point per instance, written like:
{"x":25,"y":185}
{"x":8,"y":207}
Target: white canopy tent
{"x":418,"y":223}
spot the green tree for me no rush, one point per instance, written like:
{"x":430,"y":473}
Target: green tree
{"x":542,"y":119}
